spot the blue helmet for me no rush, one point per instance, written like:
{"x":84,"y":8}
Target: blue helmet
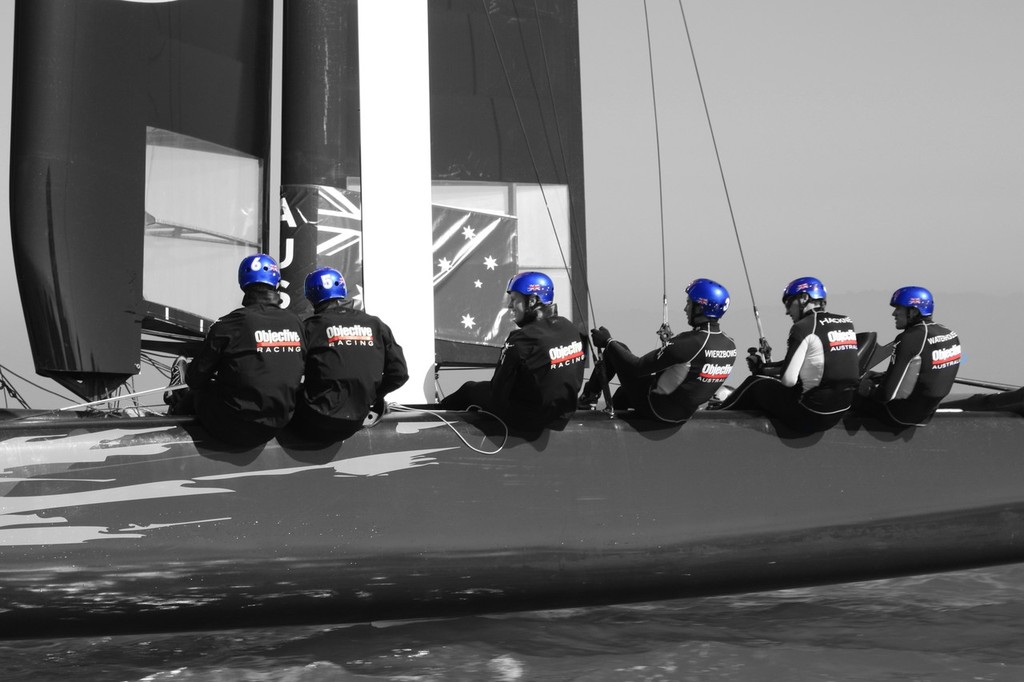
{"x":914,"y":297}
{"x":811,"y":286}
{"x":712,"y":297}
{"x":533,"y":284}
{"x":258,"y":269}
{"x":323,"y":284}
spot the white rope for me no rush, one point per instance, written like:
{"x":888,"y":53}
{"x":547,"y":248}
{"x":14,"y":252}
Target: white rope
{"x":397,"y":407}
{"x":121,"y":397}
{"x":39,"y":413}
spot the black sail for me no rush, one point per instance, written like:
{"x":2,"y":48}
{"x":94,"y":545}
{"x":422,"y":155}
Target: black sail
{"x":95,"y":83}
{"x":505,"y":107}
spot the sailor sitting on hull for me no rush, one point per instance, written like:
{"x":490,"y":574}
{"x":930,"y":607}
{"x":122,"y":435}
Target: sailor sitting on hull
{"x":814,"y":385}
{"x":243,"y":382}
{"x":672,"y":382}
{"x":923,"y":367}
{"x":541,"y":367}
{"x":352,"y":362}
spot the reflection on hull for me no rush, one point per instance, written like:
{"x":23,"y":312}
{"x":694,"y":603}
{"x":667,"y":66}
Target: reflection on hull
{"x":111,"y":525}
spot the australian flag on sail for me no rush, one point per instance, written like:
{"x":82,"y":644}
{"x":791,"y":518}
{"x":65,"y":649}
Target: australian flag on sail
{"x":474,"y":257}
{"x":334,"y":216}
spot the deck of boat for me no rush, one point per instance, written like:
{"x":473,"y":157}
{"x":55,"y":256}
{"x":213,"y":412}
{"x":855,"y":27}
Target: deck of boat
{"x":111,"y":524}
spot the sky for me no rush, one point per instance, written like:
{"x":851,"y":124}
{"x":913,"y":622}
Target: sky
{"x":872,"y":144}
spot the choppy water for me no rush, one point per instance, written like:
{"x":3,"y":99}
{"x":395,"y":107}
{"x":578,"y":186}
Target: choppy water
{"x":948,"y":627}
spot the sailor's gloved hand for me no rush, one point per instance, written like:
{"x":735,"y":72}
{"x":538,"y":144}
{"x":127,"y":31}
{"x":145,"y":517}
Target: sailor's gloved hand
{"x":665,"y":332}
{"x":378,"y":408}
{"x":755,"y":362}
{"x":868,"y":383}
{"x":600,"y":337}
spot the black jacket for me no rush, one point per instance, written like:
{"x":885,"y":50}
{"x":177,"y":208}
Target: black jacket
{"x":352,"y":361}
{"x":540,"y":372}
{"x":252,"y":361}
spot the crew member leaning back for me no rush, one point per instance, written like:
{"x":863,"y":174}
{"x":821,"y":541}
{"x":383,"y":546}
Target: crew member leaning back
{"x":814,"y":385}
{"x":672,"y":382}
{"x":923,"y":367}
{"x":352,"y":361}
{"x":541,"y":367}
{"x":243,"y":382}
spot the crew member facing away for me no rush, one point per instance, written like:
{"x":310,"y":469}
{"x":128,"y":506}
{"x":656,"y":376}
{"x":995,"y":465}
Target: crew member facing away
{"x":815,"y":384}
{"x":352,"y":361}
{"x":541,"y":367}
{"x":924,"y":363}
{"x":672,"y":382}
{"x":244,"y":381}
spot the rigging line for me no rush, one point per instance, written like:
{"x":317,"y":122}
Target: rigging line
{"x":35,"y":385}
{"x":575,"y":243}
{"x":573,"y":224}
{"x":10,"y":391}
{"x":163,"y":369}
{"x":98,"y":402}
{"x":661,"y":194}
{"x":398,"y":407}
{"x":721,"y":172}
{"x":125,"y":396}
{"x":529,"y":147}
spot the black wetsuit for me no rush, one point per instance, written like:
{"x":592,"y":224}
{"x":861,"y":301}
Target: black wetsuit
{"x":537,"y":379}
{"x":921,"y":372}
{"x":819,"y":375}
{"x":352,"y":362}
{"x":245,"y":379}
{"x":672,"y":382}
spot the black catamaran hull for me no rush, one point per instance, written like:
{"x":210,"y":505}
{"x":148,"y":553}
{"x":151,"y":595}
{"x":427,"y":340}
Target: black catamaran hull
{"x":111,"y":525}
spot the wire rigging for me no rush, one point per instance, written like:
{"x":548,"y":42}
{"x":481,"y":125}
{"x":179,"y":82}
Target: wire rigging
{"x":765,"y":348}
{"x":529,"y":147}
{"x":573,"y":229}
{"x":661,"y":193}
{"x":536,"y":169}
{"x":34,"y":385}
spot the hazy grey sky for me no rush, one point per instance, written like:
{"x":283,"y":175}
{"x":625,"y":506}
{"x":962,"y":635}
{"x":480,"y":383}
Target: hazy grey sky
{"x":872,"y":144}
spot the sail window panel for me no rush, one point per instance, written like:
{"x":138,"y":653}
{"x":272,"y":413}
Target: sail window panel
{"x":487,"y":197}
{"x":203,"y":204}
{"x":195,"y":277}
{"x":545,"y":242}
{"x":203,"y":186}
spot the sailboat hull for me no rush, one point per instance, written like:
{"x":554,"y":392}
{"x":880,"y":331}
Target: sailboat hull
{"x":114,"y":525}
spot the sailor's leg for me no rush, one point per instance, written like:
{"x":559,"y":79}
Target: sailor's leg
{"x":604,"y":371}
{"x":746,"y":396}
{"x":1006,"y":401}
{"x":470,"y":393}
